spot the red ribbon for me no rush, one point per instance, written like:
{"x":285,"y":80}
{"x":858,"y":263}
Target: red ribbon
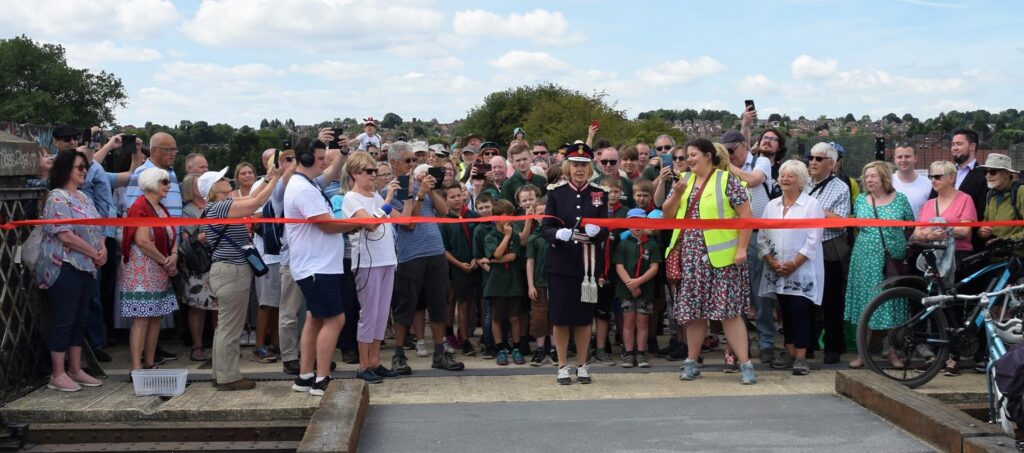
{"x":182,"y":221}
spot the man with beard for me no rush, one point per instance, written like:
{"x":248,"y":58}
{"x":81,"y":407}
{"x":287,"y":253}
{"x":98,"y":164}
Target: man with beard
{"x":970,"y":177}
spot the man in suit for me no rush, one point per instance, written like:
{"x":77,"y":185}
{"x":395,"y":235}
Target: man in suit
{"x":970,"y":177}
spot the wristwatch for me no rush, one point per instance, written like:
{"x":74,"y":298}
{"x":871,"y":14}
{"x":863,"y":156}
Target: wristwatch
{"x":416,"y":199}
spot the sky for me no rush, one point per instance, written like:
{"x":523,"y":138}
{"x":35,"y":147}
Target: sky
{"x":239,"y":61}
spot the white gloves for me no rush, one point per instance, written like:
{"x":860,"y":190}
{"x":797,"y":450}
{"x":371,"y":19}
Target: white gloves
{"x":563,"y":234}
{"x":592,"y":230}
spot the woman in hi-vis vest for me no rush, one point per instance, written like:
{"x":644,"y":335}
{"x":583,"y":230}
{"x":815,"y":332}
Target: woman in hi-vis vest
{"x":711,"y":265}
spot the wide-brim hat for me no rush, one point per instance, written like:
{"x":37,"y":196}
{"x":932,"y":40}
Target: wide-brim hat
{"x":469,"y":137}
{"x":439,"y":150}
{"x":997,"y":161}
{"x":419,"y":147}
{"x":208,"y":179}
{"x":579,"y":152}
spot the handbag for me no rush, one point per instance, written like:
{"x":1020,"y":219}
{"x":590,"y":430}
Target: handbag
{"x":673,"y":262}
{"x":29,"y":251}
{"x":893,"y":267}
{"x":195,"y":255}
{"x":252,"y":257}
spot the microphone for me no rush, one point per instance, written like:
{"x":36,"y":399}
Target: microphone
{"x":383,"y":211}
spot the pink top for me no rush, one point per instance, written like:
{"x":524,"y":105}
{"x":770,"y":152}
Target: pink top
{"x":960,"y":210}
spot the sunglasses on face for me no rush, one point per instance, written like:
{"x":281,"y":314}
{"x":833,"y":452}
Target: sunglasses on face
{"x":663,"y":148}
{"x":992,"y":171}
{"x":408,"y":161}
{"x":819,"y":158}
{"x":609,"y":162}
{"x":165,"y":182}
{"x":936,"y":177}
{"x":540,"y":153}
{"x":679,"y":158}
{"x":82,"y":167}
{"x":489,"y":154}
{"x":370,"y":171}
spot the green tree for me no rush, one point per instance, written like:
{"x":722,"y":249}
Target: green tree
{"x":849,"y":117}
{"x":1006,"y":137}
{"x":37,"y":86}
{"x":390,"y":121}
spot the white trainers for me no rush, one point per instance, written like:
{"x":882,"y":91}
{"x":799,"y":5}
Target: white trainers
{"x":421,"y":348}
{"x":583,"y":374}
{"x":563,"y":376}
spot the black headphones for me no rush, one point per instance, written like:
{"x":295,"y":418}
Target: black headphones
{"x":307,"y":155}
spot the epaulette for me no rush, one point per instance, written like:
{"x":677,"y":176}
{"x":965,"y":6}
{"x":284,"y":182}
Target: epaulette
{"x":557,"y":184}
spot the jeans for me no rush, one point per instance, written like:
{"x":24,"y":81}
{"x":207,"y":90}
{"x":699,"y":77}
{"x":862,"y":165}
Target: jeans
{"x":762,"y":305}
{"x":69,"y":299}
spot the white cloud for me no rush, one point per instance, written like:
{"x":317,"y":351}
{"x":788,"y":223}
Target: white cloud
{"x":988,"y":75}
{"x":446,"y":64}
{"x":371,"y":24}
{"x":209,"y":73}
{"x":757,"y":83}
{"x":93,"y":54}
{"x":679,"y":72}
{"x":879,"y":82}
{"x":127,"y":19}
{"x":333,"y":70}
{"x":518,"y":60}
{"x":540,"y":26}
{"x":806,"y":66}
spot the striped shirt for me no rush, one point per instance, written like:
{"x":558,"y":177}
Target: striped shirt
{"x":225,"y":251}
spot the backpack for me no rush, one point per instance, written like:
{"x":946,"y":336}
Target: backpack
{"x":270,"y":232}
{"x":1009,"y":377}
{"x":774,"y":191}
{"x":1014,"y":188}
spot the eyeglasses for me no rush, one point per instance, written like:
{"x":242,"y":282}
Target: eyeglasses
{"x":769,"y":138}
{"x":408,"y":161}
{"x":489,"y":154}
{"x":819,"y":158}
{"x":609,"y":162}
{"x":383,"y":175}
{"x":678,"y":158}
{"x":663,"y":148}
{"x":82,"y":167}
{"x":165,"y":182}
{"x":732,"y":148}
{"x":370,"y":171}
{"x":992,"y":171}
{"x":936,"y":177}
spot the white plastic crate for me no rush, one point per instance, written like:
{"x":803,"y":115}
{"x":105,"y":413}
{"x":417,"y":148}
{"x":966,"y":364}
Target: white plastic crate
{"x":169,"y":382}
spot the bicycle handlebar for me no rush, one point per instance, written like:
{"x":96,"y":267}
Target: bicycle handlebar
{"x":935,"y":300}
{"x":996,"y":247}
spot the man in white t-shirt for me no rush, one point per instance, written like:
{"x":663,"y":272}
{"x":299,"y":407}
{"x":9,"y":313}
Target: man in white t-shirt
{"x":316,"y":259}
{"x":907,"y":181}
{"x":756,"y":172}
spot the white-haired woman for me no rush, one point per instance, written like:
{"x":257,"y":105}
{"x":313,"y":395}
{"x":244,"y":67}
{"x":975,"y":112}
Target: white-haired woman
{"x":150,"y":260}
{"x":794,"y":271}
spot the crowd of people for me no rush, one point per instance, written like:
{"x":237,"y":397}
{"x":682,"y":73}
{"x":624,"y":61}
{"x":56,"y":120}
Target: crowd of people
{"x":557,"y":290}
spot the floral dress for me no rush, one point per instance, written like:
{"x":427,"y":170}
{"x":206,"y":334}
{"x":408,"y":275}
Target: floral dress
{"x":867,"y":262}
{"x":61,"y":204}
{"x":146,"y":289}
{"x":198,"y":293}
{"x":707,"y":292}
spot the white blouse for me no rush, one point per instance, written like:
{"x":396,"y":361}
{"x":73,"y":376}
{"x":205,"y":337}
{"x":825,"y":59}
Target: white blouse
{"x":784,"y":244}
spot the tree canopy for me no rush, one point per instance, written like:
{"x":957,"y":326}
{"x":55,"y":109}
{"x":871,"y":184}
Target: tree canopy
{"x":37,"y":86}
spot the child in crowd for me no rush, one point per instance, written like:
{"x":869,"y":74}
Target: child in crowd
{"x":463,"y":268}
{"x":643,"y":195}
{"x":606,"y":290}
{"x":636,"y":264}
{"x":484,"y":204}
{"x":504,"y":283}
{"x":537,"y":286}
{"x":526,"y":195}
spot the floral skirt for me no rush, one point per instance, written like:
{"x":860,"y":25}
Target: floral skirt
{"x":146,"y":289}
{"x":705,"y":291}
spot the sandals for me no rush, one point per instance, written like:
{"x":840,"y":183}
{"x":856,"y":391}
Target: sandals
{"x":196,"y":355}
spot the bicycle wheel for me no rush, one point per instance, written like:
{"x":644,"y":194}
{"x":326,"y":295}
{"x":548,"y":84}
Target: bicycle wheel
{"x":895,"y":321}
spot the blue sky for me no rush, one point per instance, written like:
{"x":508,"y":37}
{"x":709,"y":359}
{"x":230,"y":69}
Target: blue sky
{"x":237,"y":61}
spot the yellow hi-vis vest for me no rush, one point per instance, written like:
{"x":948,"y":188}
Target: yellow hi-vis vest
{"x":713,"y":204}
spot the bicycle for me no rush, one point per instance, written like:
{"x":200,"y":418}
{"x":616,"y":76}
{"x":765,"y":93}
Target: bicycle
{"x":921,"y":334}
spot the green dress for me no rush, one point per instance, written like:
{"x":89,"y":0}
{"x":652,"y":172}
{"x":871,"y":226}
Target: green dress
{"x":867,"y":262}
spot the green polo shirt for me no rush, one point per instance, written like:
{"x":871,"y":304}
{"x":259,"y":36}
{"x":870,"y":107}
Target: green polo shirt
{"x":458,"y":240}
{"x":629,"y":252}
{"x":505,"y":280}
{"x":479,"y":233}
{"x":514,"y":182}
{"x":627,"y":189}
{"x":537,"y":248}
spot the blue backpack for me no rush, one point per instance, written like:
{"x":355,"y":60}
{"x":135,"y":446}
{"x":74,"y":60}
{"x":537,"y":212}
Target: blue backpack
{"x":270,"y":232}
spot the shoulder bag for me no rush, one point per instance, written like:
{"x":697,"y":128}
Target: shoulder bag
{"x":893,"y":267}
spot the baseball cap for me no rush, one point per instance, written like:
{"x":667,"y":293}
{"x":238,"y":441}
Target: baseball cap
{"x":470,"y":149}
{"x":439,"y":150}
{"x":636,"y":213}
{"x":65,"y":131}
{"x":731,"y":138}
{"x":208,"y":179}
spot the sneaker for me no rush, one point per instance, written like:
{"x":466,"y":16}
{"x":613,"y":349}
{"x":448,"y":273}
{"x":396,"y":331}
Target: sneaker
{"x":626,"y":359}
{"x":800,"y":367}
{"x":421,"y":348}
{"x":553,"y":353}
{"x":467,"y":348}
{"x":563,"y":376}
{"x":710,"y":343}
{"x":63,"y":383}
{"x":383,"y":372}
{"x":952,"y":368}
{"x":767,"y":355}
{"x":678,"y":354}
{"x":583,"y":374}
{"x":732,"y":365}
{"x":489,"y":352}
{"x":369,"y":376}
{"x":783,"y":362}
{"x":747,"y":373}
{"x":447,"y":362}
{"x":319,"y":388}
{"x":291,"y":367}
{"x":246,"y":338}
{"x":502,"y":358}
{"x":453,"y":341}
{"x":604,"y":357}
{"x":303,"y":385}
{"x":539,"y":357}
{"x":241,"y":384}
{"x":641,"y":360}
{"x":162,"y":355}
{"x":409,"y":345}
{"x":101,"y":355}
{"x":262,"y":355}
{"x":85,"y":380}
{"x":400,"y":364}
{"x":517,"y":357}
{"x":691,"y":370}
{"x":980,"y":366}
